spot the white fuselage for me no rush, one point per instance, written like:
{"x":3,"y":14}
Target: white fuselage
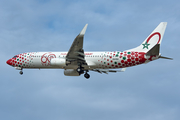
{"x":103,"y":60}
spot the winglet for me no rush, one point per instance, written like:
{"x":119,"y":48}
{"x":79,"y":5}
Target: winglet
{"x":83,"y":30}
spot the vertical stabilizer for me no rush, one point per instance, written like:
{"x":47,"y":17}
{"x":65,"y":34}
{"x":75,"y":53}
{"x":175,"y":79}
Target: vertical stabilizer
{"x":153,"y":39}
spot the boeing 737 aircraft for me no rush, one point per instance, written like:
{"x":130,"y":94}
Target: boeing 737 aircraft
{"x":76,"y":62}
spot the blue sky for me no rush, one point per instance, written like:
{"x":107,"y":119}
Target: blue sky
{"x":144,"y":92}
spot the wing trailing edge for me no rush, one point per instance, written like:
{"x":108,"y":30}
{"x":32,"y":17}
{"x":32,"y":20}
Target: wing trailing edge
{"x":106,"y":70}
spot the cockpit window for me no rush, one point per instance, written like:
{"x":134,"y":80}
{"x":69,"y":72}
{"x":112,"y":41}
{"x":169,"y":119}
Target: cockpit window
{"x":15,"y":56}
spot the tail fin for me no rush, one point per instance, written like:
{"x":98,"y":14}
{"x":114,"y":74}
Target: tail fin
{"x":153,"y":39}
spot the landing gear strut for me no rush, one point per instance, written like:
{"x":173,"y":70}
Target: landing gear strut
{"x":79,"y":70}
{"x":20,"y":72}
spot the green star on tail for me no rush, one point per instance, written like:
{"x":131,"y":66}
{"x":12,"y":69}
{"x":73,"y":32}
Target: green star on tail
{"x":145,"y":45}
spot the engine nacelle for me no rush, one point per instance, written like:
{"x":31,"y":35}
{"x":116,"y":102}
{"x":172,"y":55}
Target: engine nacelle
{"x":71,"y":72}
{"x":58,"y":62}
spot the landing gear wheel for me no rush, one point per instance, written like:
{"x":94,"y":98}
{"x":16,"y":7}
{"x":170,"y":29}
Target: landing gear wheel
{"x":21,"y":72}
{"x":86,"y":75}
{"x":79,"y":70}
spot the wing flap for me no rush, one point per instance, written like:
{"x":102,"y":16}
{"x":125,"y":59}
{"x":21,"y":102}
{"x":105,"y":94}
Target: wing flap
{"x":107,"y":70}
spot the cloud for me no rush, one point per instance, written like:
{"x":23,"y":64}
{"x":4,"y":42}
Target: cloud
{"x":148,"y":91}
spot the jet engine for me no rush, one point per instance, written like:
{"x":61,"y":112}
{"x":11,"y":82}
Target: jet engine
{"x":58,"y":62}
{"x":71,"y":72}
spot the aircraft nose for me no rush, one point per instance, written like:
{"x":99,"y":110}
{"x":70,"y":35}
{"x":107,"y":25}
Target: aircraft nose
{"x":9,"y":62}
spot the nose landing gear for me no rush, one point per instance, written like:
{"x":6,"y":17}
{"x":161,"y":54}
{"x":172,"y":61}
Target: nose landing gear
{"x":21,"y":72}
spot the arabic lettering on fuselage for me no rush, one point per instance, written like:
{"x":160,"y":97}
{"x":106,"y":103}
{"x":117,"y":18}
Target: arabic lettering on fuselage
{"x":85,"y":53}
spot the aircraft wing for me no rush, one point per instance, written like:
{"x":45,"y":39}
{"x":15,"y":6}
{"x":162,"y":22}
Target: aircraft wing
{"x":106,"y":70}
{"x":75,"y":55}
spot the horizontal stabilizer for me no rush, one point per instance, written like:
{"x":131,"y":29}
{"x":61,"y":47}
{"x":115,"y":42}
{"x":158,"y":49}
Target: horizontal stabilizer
{"x":165,"y":58}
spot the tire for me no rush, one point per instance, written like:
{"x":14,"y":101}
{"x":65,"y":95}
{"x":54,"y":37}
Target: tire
{"x":86,"y":75}
{"x":21,"y":72}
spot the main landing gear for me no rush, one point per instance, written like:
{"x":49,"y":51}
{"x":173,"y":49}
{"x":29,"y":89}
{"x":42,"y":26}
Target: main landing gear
{"x":86,"y":75}
{"x":81,"y":71}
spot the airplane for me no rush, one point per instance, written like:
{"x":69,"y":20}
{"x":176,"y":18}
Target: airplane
{"x":76,"y":62}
